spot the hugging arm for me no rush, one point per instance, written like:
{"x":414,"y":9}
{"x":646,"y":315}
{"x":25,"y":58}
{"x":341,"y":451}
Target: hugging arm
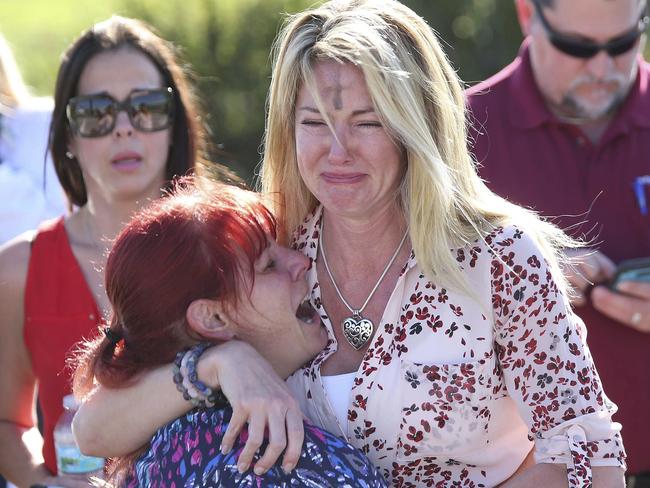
{"x":549,"y":372}
{"x":143,"y":407}
{"x":258,"y":396}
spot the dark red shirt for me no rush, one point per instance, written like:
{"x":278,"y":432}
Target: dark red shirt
{"x":530,"y":157}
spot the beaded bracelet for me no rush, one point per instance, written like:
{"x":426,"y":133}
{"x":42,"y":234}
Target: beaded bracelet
{"x":186,"y":372}
{"x":178,"y":377}
{"x":188,"y":383}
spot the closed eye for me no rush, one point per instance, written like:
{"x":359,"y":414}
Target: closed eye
{"x":265,"y":261}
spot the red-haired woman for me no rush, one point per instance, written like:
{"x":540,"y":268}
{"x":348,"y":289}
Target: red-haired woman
{"x":124,"y":124}
{"x":194,"y":269}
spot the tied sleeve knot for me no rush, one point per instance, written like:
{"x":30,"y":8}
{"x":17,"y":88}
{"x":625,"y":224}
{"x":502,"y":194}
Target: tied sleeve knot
{"x":580,"y":443}
{"x":579,"y":474}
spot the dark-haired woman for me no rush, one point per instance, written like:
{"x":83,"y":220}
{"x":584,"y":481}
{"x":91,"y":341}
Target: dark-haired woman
{"x":231,"y":280}
{"x":124,"y":124}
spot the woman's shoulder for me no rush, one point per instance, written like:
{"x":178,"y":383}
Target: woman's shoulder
{"x":15,"y":255}
{"x":506,"y":248}
{"x":181,"y":449}
{"x":327,"y":457}
{"x":14,"y":259}
{"x":508,"y":241}
{"x":14,"y":263}
{"x":34,"y":108}
{"x":197,"y":420}
{"x":32,"y":118}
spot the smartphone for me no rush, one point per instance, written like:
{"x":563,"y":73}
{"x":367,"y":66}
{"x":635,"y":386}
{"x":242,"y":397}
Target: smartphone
{"x":631,"y":270}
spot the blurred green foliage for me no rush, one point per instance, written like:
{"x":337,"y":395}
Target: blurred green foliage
{"x":40,"y":30}
{"x":227,"y":44}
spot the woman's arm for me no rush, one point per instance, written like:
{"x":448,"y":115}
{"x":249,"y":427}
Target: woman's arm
{"x":115,"y":422}
{"x":555,"y":476}
{"x":24,"y":463}
{"x":546,"y":365}
{"x":21,"y":459}
{"x":257,"y":395}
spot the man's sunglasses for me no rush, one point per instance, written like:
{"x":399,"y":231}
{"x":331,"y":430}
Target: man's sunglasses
{"x":96,"y":115}
{"x":588,"y":49}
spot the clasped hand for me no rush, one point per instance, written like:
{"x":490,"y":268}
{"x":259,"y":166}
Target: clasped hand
{"x":261,"y":399}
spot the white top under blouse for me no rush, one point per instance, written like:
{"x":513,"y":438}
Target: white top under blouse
{"x":338,"y":388}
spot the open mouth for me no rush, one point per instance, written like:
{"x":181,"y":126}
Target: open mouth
{"x":127,"y":160}
{"x":127,"y":163}
{"x":306,"y":312}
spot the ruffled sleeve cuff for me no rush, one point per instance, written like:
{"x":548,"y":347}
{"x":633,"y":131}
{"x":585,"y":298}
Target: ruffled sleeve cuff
{"x":582,"y":443}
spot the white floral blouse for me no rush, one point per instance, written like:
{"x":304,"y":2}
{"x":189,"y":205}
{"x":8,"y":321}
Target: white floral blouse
{"x":451,"y":393}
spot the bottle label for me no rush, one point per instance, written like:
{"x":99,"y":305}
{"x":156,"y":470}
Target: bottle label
{"x":70,"y":461}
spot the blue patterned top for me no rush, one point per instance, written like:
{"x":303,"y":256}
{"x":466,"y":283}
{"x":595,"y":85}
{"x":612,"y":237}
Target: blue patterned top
{"x":185,"y":453}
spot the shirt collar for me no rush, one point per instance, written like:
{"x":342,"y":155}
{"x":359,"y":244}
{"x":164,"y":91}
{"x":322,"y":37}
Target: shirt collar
{"x":305,"y":237}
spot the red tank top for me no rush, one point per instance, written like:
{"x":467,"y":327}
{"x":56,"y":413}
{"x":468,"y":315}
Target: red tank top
{"x":60,"y":310}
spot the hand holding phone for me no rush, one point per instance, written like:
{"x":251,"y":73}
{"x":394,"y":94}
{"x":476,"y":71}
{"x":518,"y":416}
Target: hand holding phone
{"x":631,"y":270}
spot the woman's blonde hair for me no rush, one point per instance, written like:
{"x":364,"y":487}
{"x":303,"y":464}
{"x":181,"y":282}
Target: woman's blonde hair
{"x":13,"y":91}
{"x":420,"y":101}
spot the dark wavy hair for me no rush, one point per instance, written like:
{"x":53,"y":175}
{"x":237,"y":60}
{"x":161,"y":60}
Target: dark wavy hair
{"x":188,"y":135}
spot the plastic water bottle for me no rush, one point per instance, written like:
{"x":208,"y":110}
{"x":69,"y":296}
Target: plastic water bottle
{"x":69,"y":460}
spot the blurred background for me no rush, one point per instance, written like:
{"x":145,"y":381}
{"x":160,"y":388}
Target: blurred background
{"x":227,"y":44}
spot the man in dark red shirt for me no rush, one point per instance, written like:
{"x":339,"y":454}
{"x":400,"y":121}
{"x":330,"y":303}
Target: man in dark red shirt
{"x":565,"y":130}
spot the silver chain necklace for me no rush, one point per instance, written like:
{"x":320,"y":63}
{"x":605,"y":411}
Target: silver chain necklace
{"x":357,"y":329}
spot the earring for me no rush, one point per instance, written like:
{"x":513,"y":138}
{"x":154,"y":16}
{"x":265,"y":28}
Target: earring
{"x":69,"y":155}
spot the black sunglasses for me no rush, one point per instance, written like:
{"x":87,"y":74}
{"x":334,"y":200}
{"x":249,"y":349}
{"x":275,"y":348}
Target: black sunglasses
{"x":96,"y":115}
{"x":588,"y":49}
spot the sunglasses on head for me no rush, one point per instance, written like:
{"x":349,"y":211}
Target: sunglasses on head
{"x":588,"y":49}
{"x":96,"y":115}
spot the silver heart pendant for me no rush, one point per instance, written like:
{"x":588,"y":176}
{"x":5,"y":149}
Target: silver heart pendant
{"x":357,"y":331}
